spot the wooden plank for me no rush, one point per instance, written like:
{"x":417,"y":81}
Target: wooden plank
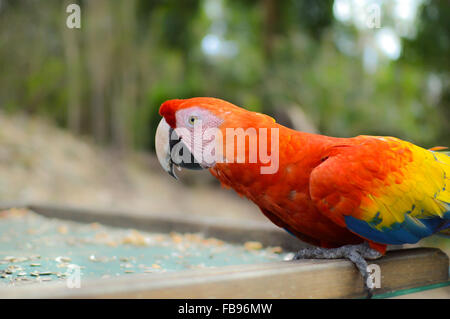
{"x":401,"y":269}
{"x":439,"y":293}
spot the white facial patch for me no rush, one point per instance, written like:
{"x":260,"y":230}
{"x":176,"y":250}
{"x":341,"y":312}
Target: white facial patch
{"x":198,"y":129}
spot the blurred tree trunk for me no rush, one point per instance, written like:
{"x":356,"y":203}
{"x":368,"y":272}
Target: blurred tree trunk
{"x":98,"y":55}
{"x":124,"y":94}
{"x":269,"y":28}
{"x":270,"y":22}
{"x":73,"y":67}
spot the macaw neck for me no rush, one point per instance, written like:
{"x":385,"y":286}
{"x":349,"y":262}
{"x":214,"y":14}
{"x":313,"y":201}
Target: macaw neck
{"x":291,"y":157}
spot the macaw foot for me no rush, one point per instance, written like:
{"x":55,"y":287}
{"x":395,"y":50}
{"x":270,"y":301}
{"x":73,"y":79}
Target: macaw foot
{"x":355,"y":253}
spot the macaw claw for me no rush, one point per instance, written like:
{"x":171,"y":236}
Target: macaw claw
{"x":355,"y":253}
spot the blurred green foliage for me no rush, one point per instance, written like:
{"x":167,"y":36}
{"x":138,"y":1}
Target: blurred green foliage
{"x":108,"y":78}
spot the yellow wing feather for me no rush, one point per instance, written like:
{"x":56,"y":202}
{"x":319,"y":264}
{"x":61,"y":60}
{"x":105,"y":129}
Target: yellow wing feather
{"x":421,"y":189}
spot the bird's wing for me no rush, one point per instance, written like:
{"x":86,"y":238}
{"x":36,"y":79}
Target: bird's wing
{"x":384,"y":189}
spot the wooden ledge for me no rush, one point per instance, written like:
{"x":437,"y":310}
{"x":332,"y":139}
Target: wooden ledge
{"x":401,"y":269}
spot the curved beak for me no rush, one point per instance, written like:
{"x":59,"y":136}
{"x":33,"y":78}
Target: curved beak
{"x":165,"y":141}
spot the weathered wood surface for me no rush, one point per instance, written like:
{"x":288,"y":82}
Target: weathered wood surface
{"x":400,"y":269}
{"x":438,"y":293}
{"x":222,"y":228}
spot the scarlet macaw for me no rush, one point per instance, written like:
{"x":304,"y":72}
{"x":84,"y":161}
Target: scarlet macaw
{"x":351,"y":197}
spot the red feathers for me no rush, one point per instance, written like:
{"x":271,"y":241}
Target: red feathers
{"x":168,"y":109}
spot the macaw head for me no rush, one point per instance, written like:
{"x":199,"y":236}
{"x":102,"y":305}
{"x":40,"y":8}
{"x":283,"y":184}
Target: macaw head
{"x":175,"y":143}
{"x":187,"y":131}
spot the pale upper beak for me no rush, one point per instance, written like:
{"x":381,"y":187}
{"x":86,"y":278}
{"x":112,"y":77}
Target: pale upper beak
{"x":164,"y":145}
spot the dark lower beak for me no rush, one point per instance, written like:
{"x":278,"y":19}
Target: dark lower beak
{"x":191,"y":163}
{"x":170,"y":152}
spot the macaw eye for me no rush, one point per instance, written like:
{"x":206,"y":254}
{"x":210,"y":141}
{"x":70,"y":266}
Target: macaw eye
{"x":192,"y":119}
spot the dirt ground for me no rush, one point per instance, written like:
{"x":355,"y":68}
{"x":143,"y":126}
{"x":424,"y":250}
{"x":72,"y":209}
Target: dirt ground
{"x":42,"y":163}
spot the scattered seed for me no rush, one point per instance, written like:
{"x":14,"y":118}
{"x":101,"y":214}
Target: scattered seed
{"x":95,"y":225}
{"x":253,"y":245}
{"x":96,"y":259}
{"x":275,"y":250}
{"x":63,"y":229}
{"x":289,"y":256}
{"x":112,"y":243}
{"x":176,"y":238}
{"x":135,"y":238}
{"x":61,"y":259}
